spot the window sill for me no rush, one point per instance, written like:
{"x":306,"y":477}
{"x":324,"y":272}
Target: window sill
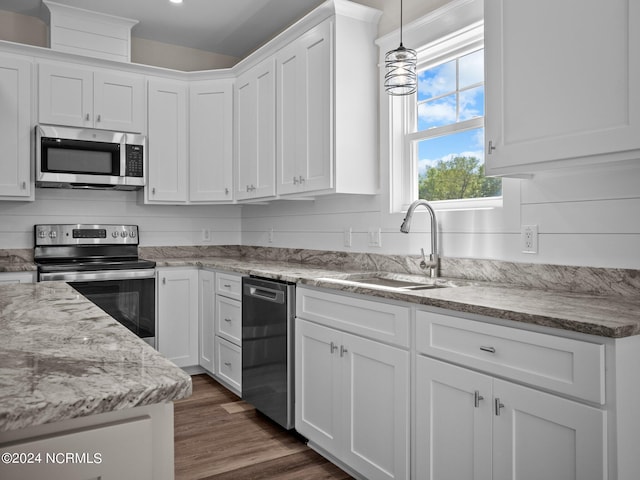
{"x":464,"y":204}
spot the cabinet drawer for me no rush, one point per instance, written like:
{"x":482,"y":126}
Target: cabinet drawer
{"x":229,"y":285}
{"x":564,"y":365}
{"x":376,"y":320}
{"x":229,"y":364}
{"x":229,"y":319}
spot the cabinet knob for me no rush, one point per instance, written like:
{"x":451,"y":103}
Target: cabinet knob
{"x":164,"y":280}
{"x":343,"y":351}
{"x":98,"y":118}
{"x":228,"y":364}
{"x":87,"y":117}
{"x":23,"y":185}
{"x":153,"y":191}
{"x":476,"y":399}
{"x":295,"y":180}
{"x":499,"y":406}
{"x":226,"y":191}
{"x":301,"y":179}
{"x":227,"y":320}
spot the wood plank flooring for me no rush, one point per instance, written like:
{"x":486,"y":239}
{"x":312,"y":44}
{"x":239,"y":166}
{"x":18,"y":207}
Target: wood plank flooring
{"x":220,"y":437}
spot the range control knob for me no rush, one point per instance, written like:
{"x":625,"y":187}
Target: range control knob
{"x":114,"y":234}
{"x":42,"y":234}
{"x":132,"y":234}
{"x":123,"y":234}
{"x":53,"y":234}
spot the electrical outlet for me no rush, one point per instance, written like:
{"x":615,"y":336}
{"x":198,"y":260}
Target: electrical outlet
{"x":206,"y":235}
{"x":375,"y":237}
{"x":529,"y":238}
{"x":270,"y":235}
{"x":348,"y":237}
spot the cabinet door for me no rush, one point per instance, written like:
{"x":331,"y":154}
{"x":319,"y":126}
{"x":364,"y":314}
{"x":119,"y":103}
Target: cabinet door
{"x":256,"y":136}
{"x":547,"y":103}
{"x":15,"y":127}
{"x":305,"y":71}
{"x":206,"y":319}
{"x":66,"y":95}
{"x":453,"y":422}
{"x":210,"y":141}
{"x":376,"y":395}
{"x":229,"y":319}
{"x":318,"y":385}
{"x":119,"y":102}
{"x":538,"y":435}
{"x":178,"y":315}
{"x":167,"y":170}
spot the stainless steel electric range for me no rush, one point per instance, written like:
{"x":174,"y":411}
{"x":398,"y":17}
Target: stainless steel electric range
{"x":101,"y":262}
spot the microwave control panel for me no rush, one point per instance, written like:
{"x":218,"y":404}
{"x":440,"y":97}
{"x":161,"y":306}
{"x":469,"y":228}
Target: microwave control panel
{"x":134,"y":160}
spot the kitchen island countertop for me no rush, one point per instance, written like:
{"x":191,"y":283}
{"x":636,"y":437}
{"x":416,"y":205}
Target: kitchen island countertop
{"x":62,"y":357}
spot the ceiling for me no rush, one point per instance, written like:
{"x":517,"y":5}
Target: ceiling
{"x":228,"y":27}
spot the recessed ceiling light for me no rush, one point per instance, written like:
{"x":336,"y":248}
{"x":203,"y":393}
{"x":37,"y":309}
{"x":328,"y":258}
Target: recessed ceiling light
{"x":175,"y":1}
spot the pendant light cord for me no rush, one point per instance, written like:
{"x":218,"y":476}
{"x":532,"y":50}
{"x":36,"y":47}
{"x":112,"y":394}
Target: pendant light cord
{"x":401,"y":23}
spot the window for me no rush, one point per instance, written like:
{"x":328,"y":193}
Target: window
{"x":436,"y":137}
{"x":447,"y":130}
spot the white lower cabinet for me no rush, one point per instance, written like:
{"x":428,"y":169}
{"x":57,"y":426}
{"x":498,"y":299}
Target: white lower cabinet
{"x":352,"y":400}
{"x":17,"y":277}
{"x":228,"y":330}
{"x":229,"y":364}
{"x":177,"y":297}
{"x":206,"y":319}
{"x":472,"y":426}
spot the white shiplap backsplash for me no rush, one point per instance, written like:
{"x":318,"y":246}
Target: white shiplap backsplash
{"x":589,"y":218}
{"x":160,"y":225}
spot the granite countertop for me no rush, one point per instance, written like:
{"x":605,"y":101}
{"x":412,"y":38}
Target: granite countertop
{"x":62,"y":357}
{"x":612,"y":316}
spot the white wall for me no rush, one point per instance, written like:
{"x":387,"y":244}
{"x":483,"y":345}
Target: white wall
{"x":589,"y":218}
{"x":160,"y":225}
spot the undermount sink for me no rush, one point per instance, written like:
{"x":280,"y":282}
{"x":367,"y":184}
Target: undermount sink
{"x":393,"y":280}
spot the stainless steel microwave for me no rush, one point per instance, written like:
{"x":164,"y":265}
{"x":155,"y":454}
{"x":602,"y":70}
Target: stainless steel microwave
{"x":88,"y":158}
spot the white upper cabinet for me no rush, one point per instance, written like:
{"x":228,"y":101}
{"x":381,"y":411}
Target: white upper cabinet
{"x":327,"y":136}
{"x":211,"y":141}
{"x":304,"y":113}
{"x":84,"y":97}
{"x":562,"y":84}
{"x":255,"y":115}
{"x":15,"y":129}
{"x":167,"y":169}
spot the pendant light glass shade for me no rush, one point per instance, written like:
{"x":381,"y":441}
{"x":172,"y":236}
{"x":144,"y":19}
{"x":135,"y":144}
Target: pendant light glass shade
{"x":400,"y":64}
{"x":400,"y":78}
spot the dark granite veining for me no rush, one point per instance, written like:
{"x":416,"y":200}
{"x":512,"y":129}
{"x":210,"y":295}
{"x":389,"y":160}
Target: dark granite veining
{"x":597,"y":301}
{"x":17,"y":260}
{"x":62,"y":357}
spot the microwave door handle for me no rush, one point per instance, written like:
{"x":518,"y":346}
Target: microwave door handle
{"x":123,"y":156}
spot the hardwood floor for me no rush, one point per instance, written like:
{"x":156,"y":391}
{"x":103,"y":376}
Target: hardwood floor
{"x":218,"y":436}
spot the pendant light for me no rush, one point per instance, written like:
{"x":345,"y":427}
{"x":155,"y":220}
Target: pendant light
{"x":400,"y":64}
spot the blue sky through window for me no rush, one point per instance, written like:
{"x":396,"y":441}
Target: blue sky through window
{"x":449,"y":93}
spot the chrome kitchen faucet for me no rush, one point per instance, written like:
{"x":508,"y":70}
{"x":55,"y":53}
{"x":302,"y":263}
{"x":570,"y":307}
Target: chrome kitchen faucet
{"x":434,"y":260}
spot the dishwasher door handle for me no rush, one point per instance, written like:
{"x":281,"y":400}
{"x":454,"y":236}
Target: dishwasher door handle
{"x":276,"y":296}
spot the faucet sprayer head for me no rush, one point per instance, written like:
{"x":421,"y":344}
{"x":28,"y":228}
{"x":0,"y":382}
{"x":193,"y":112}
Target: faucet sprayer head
{"x":406,"y":224}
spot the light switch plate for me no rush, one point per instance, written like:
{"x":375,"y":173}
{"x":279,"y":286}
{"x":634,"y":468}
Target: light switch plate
{"x":375,"y":237}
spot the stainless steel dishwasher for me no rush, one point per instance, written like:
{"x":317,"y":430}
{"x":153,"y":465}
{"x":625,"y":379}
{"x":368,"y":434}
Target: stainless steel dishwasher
{"x":268,"y":311}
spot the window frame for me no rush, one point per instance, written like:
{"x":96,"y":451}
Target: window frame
{"x":463,"y":37}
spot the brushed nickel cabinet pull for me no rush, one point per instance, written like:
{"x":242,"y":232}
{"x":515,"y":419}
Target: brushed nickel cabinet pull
{"x":333,"y":347}
{"x":491,"y":147}
{"x":476,"y":399}
{"x":343,"y":351}
{"x":488,"y":349}
{"x":499,"y":406}
{"x":228,"y":364}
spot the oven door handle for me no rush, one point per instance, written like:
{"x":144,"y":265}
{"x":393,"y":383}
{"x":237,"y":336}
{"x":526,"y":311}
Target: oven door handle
{"x":98,"y":276}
